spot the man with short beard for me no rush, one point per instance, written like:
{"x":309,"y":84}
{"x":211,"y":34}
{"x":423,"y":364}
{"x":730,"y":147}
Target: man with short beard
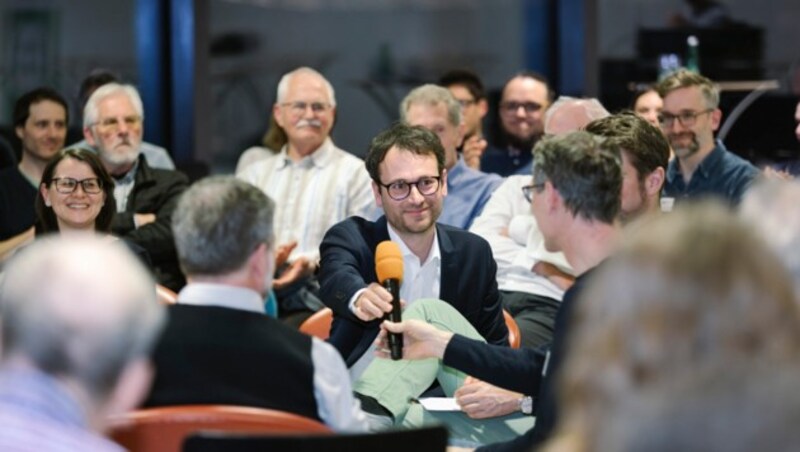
{"x":146,"y":197}
{"x":703,"y":167}
{"x":525,"y":98}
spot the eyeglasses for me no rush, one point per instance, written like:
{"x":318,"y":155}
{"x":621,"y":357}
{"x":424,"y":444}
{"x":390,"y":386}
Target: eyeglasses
{"x":113,"y":124}
{"x":686,"y":118}
{"x":527,"y":191}
{"x":67,"y":185}
{"x":400,"y":190}
{"x":512,"y":107}
{"x":298,"y":108}
{"x":467,"y":102}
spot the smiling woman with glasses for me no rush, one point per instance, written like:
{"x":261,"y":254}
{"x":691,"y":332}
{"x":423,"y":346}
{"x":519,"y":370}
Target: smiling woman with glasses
{"x":76,"y":194}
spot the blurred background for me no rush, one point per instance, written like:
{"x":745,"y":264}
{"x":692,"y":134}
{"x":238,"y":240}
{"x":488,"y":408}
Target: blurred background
{"x":207,"y":69}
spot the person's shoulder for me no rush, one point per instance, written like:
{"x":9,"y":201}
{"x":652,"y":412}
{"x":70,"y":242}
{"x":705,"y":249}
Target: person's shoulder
{"x":461,"y":238}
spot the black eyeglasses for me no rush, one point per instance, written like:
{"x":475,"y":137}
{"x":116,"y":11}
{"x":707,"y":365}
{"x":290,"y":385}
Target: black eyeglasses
{"x":67,"y":185}
{"x":686,"y":118}
{"x":512,"y":107}
{"x":527,"y":191}
{"x":298,"y":108}
{"x":400,"y":190}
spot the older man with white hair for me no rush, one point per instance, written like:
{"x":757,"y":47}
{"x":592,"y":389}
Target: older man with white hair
{"x":146,"y":197}
{"x":75,"y":345}
{"x":314,"y":184}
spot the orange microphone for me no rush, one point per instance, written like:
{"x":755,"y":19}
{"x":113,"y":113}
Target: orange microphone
{"x":389,"y":268}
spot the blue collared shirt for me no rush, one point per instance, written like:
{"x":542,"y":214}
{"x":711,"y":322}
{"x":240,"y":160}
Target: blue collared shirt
{"x":506,"y":161}
{"x":468,"y":190}
{"x":721,"y":174}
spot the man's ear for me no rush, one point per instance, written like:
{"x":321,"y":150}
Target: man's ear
{"x":655,"y":181}
{"x":483,"y":107}
{"x":376,"y":192}
{"x":276,"y":113}
{"x":131,"y":388}
{"x":716,"y":119}
{"x":87,"y":135}
{"x":444,"y":182}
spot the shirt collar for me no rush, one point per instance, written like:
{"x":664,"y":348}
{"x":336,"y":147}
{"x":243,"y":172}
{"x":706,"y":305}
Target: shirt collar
{"x":320,"y":158}
{"x":433,"y":255}
{"x":129,"y":177}
{"x":221,"y":295}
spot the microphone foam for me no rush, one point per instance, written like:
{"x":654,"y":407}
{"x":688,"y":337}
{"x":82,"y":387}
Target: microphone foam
{"x":388,"y":261}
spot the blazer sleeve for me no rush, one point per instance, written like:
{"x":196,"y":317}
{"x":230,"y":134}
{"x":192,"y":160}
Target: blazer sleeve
{"x":344,"y":255}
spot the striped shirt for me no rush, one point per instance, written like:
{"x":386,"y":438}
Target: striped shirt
{"x":36,"y":414}
{"x":313,"y":194}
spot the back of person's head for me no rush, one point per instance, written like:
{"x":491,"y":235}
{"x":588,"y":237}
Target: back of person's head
{"x":45,"y":214}
{"x":218,"y":224}
{"x":415,"y":139}
{"x":465,"y":78}
{"x":584,"y":170}
{"x":729,"y":409}
{"x":91,"y":111}
{"x":569,"y":114}
{"x":771,"y":207}
{"x":645,"y":146}
{"x":677,"y":297}
{"x":22,"y":107}
{"x":432,"y":95}
{"x":80,"y":310}
{"x":683,"y":78}
{"x":95,"y":79}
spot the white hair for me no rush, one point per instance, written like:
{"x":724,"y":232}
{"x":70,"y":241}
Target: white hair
{"x":90,"y":112}
{"x":583,"y":111}
{"x":283,"y":84}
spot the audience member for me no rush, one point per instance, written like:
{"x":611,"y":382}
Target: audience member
{"x":156,"y":156}
{"x":435,"y":108}
{"x":75,"y":343}
{"x":689,"y":119}
{"x":314,"y":183}
{"x":219,"y":347}
{"x":76,"y":194}
{"x":525,"y":98}
{"x":569,"y":114}
{"x":40,"y":122}
{"x":468,"y":90}
{"x":576,"y":190}
{"x":409,"y":182}
{"x":145,"y":196}
{"x":648,"y":104}
{"x":645,"y":157}
{"x":770,"y":206}
{"x":677,"y":302}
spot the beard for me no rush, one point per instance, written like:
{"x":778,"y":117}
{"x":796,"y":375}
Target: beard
{"x":683,"y":151}
{"x":522,"y":144}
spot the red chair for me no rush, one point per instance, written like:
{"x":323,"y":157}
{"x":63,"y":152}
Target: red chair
{"x":319,"y":324}
{"x":514,"y":336}
{"x":164,"y":429}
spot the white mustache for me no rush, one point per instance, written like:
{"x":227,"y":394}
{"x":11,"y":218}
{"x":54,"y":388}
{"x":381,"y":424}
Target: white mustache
{"x":309,"y":123}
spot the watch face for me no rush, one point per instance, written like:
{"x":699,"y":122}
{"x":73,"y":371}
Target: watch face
{"x":526,"y":405}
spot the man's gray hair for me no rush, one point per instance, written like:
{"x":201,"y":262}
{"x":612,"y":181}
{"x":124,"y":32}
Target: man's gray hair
{"x":283,"y":84}
{"x":82,"y":309}
{"x":218,"y":224}
{"x":582,"y":111}
{"x":771,"y":207}
{"x":432,"y":95}
{"x":91,"y":111}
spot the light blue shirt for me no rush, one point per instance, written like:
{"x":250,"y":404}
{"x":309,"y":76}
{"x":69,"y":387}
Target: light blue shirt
{"x":468,"y":190}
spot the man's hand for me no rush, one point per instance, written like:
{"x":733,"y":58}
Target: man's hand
{"x":373,"y":303}
{"x":282,"y":253}
{"x":420,"y":340}
{"x":480,"y":400}
{"x":141,"y":219}
{"x":561,"y":279}
{"x":297,"y":270}
{"x":472,"y":150}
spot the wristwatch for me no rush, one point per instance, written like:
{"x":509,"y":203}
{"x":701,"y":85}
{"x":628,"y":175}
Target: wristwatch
{"x":526,"y":405}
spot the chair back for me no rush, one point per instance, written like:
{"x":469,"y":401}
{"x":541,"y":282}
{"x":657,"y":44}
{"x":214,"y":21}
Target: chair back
{"x":319,"y":324}
{"x":514,"y":336}
{"x":429,"y":439}
{"x":164,"y":429}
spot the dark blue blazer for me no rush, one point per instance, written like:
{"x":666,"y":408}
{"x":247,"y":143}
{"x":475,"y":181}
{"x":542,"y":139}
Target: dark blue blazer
{"x":468,"y":281}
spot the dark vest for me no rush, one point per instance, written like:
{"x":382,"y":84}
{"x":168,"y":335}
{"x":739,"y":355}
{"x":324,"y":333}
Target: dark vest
{"x":213,"y":355}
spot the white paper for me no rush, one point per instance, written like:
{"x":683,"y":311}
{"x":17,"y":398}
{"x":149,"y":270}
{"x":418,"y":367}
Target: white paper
{"x":439,"y":404}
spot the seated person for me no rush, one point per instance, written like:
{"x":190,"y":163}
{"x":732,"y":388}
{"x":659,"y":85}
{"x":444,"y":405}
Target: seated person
{"x":219,"y":347}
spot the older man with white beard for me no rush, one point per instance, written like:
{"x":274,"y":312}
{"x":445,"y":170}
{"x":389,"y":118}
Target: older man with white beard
{"x":146,"y":197}
{"x":314,"y":184}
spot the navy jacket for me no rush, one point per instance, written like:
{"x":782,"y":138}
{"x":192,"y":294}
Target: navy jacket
{"x":468,"y":281}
